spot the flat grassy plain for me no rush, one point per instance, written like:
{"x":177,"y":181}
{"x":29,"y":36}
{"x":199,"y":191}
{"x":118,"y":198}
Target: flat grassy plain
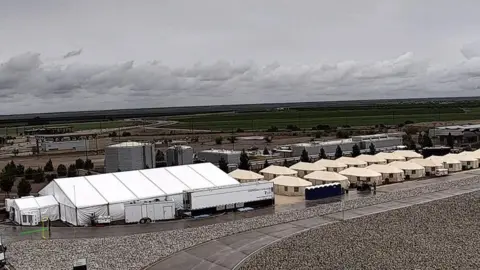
{"x":308,"y":118}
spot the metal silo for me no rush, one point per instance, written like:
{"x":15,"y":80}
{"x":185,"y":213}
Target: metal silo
{"x":129,"y":156}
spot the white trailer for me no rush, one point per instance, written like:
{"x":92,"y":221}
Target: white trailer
{"x":229,"y":197}
{"x":146,"y":212}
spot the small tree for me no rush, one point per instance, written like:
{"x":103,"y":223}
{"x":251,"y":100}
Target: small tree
{"x":268,"y":139}
{"x":62,"y":170}
{"x":24,"y":188}
{"x":79,"y":164}
{"x":88,"y":165}
{"x":72,"y":170}
{"x":304,"y":157}
{"x":232,"y":139}
{"x":223,"y":165}
{"x":427,"y":142}
{"x":49,"y":166}
{"x":6,"y":181}
{"x":20,"y":170}
{"x":244,"y":161}
{"x":372,"y":151}
{"x":218,"y":140}
{"x":49,"y":177}
{"x":322,"y":154}
{"x":265,"y":151}
{"x":29,"y":173}
{"x":266,"y":164}
{"x":159,"y":156}
{"x":338,"y":152}
{"x":356,"y":151}
{"x":39,"y":176}
{"x":450,"y":141}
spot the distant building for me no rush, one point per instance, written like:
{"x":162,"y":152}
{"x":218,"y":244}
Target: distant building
{"x":129,"y":156}
{"x":461,"y":134}
{"x":214,"y":156}
{"x":179,"y":155}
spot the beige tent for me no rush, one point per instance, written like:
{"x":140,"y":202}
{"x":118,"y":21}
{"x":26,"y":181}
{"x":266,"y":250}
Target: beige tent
{"x":273,"y":171}
{"x":390,"y":157}
{"x":452,"y":164}
{"x":468,"y":161}
{"x":408,"y":154}
{"x":372,"y":159}
{"x":355,"y":175}
{"x":324,"y":177}
{"x":475,"y":154}
{"x":352,"y":162}
{"x":304,"y":168}
{"x":289,"y":185}
{"x":389,"y":173}
{"x":332,"y":165}
{"x":411,"y":170}
{"x":244,"y":176}
{"x":430,"y":166}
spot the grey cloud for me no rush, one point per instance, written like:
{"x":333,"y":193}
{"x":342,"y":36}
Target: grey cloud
{"x":72,"y":54}
{"x":56,"y":86}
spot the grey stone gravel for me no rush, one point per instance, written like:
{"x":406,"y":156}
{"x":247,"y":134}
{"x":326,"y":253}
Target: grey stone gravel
{"x":443,"y":234}
{"x":138,"y":251}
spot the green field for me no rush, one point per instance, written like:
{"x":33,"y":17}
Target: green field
{"x":333,"y":117}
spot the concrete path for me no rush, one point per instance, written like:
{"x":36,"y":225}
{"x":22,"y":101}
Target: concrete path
{"x":229,"y":252}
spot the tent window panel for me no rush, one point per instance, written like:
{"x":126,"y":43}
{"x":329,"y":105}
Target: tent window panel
{"x":295,"y":189}
{"x":368,"y":178}
{"x":285,"y":188}
{"x":450,"y":166}
{"x":414,"y":172}
{"x":468,"y":163}
{"x":24,"y":218}
{"x":390,"y":175}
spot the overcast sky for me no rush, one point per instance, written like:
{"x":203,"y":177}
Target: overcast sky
{"x":101,"y":54}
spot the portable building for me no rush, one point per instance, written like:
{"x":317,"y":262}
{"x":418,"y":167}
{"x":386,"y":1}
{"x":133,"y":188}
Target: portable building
{"x":452,"y":164}
{"x":215,"y":155}
{"x":290,"y":185}
{"x":129,"y":156}
{"x":30,"y":211}
{"x":273,"y":171}
{"x":106,"y":194}
{"x":352,"y":162}
{"x":390,"y":174}
{"x":355,"y":175}
{"x":304,"y":168}
{"x":468,"y":161}
{"x":325,"y":177}
{"x":430,"y":166}
{"x":244,"y":176}
{"x":372,"y":159}
{"x":408,"y":154}
{"x":311,"y":148}
{"x":332,"y":165}
{"x":390,"y":157}
{"x":411,"y":170}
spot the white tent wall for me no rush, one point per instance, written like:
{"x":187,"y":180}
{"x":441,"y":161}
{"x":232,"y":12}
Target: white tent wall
{"x":84,"y":214}
{"x":52,"y":212}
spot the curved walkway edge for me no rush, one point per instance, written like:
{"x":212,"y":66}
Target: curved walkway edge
{"x":232,"y":251}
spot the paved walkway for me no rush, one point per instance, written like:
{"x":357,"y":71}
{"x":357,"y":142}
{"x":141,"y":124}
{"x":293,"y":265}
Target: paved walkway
{"x":229,"y":252}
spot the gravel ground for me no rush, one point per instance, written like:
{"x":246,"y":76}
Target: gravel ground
{"x":137,"y":251}
{"x":442,"y":234}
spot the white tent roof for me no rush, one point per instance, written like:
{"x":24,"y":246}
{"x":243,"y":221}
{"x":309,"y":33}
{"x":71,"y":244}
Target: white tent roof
{"x":406,"y":165}
{"x":325,"y":176}
{"x":371,"y":158}
{"x":442,"y":159}
{"x":426,"y":162}
{"x":408,"y":154}
{"x":475,"y":154}
{"x":291,"y":181}
{"x":136,"y":185}
{"x":245,"y":175}
{"x":26,"y":203}
{"x":45,"y":201}
{"x":464,"y":157}
{"x":390,"y":156}
{"x":360,"y":172}
{"x":381,"y":168}
{"x":307,"y":166}
{"x":351,"y":161}
{"x":331,"y":163}
{"x":279,"y":170}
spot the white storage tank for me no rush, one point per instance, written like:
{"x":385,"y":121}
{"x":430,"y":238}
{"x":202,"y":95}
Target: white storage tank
{"x":214,"y":156}
{"x":179,"y":155}
{"x":129,"y":156}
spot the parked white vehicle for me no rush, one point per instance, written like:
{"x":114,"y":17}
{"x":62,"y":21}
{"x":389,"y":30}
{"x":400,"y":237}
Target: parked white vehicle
{"x":146,"y":212}
{"x":441,"y":172}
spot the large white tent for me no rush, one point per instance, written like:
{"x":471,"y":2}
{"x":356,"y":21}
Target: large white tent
{"x":371,"y":159}
{"x":304,"y":168}
{"x":31,"y":210}
{"x":332,"y":165}
{"x":105,"y":194}
{"x":273,"y":171}
{"x":352,"y":162}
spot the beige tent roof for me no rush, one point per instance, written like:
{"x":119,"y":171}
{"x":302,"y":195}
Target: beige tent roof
{"x":406,"y":165}
{"x":426,"y":162}
{"x":360,"y":172}
{"x":474,"y":154}
{"x":291,"y":181}
{"x":279,"y":170}
{"x":306,"y":166}
{"x":390,"y":156}
{"x":464,"y":157}
{"x":408,"y":154}
{"x":442,"y":159}
{"x":331,"y":163}
{"x":325,"y":176}
{"x":245,"y":175}
{"x":371,"y":158}
{"x":381,"y":168}
{"x":351,"y":161}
